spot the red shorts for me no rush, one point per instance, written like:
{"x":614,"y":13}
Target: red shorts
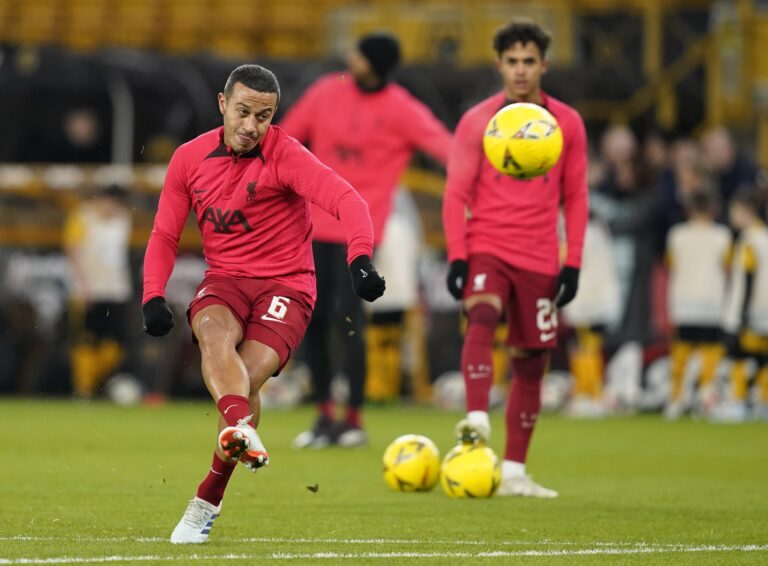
{"x":526,"y":296}
{"x":268,"y":312}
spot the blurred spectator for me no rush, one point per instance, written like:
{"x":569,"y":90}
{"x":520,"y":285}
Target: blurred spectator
{"x":682,"y":176}
{"x":685,"y":153}
{"x":173,"y":366}
{"x":655,"y":155}
{"x":618,"y":147}
{"x":79,"y":138}
{"x":746,"y":307}
{"x":627,"y":203}
{"x":397,"y":256}
{"x":595,"y":307}
{"x":96,"y":239}
{"x":730,"y":168}
{"x":697,"y":251}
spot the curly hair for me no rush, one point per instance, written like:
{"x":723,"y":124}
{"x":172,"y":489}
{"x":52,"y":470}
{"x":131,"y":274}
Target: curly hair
{"x":521,"y":30}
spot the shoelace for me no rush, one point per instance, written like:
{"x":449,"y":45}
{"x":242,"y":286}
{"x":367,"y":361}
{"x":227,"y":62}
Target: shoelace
{"x":197,"y":515}
{"x":260,"y":445}
{"x":245,"y":420}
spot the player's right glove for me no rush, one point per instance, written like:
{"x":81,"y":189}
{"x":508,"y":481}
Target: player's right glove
{"x":367,"y":282}
{"x":158,"y":318}
{"x":457,"y":278}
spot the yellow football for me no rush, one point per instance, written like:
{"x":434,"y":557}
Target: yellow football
{"x":411,"y":463}
{"x":470,"y":470}
{"x":523,"y":140}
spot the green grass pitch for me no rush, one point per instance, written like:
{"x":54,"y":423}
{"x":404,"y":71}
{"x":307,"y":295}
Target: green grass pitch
{"x":93,"y":483}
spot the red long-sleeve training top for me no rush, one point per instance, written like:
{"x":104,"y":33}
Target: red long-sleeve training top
{"x":367,"y":137}
{"x":511,"y":219}
{"x":252,"y":211}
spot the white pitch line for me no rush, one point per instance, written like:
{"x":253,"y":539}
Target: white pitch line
{"x":386,"y":555}
{"x":379,"y":541}
{"x":98,"y":559}
{"x":520,"y":553}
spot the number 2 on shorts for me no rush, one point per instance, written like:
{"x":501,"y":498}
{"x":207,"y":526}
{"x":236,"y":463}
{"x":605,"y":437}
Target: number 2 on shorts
{"x":546,"y":316}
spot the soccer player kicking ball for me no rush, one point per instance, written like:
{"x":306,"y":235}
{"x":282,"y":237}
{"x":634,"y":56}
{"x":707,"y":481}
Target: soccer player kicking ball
{"x":502,"y":241}
{"x":250,"y":186}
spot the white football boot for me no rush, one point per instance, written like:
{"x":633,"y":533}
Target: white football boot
{"x":196,"y":523}
{"x":730,"y":412}
{"x":319,"y":436}
{"x":524,"y":486}
{"x":241,"y":442}
{"x":347,"y":435}
{"x":474,"y":428}
{"x":673,"y":410}
{"x":585,"y":407}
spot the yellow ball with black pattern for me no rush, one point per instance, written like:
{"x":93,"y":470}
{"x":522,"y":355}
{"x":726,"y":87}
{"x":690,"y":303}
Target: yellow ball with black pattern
{"x":470,"y":471}
{"x":523,"y":140}
{"x":411,"y":463}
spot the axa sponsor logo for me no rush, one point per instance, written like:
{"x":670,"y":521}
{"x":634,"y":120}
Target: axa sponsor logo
{"x":226,"y":221}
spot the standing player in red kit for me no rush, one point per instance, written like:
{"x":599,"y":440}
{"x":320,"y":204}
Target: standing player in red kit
{"x":250,"y":186}
{"x":366,"y":129}
{"x":502,"y":238}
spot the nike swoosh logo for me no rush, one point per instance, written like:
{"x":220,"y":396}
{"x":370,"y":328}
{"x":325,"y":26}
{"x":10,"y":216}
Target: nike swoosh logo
{"x":267,"y":317}
{"x":365,"y":273}
{"x":228,"y":408}
{"x":546,"y":336}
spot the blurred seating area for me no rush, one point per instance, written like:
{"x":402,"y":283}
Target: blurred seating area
{"x":680,"y":64}
{"x":430,"y":29}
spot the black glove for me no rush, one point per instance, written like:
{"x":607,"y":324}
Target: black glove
{"x":158,"y":318}
{"x":368,"y":284}
{"x":457,"y":278}
{"x":567,"y":285}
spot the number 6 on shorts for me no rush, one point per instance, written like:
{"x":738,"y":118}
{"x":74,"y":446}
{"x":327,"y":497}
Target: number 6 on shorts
{"x":277,"y":309}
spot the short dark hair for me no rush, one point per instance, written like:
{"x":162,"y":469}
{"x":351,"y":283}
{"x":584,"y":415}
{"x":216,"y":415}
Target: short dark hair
{"x":253,"y":76}
{"x":521,"y":30}
{"x":702,"y":200}
{"x":748,"y":197}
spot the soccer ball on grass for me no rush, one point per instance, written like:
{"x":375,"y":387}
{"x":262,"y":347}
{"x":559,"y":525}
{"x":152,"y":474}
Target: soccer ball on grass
{"x":411,"y":463}
{"x":470,"y":470}
{"x":523,"y":140}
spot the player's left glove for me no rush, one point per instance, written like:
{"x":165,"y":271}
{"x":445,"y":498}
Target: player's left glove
{"x":367,"y":282}
{"x":457,"y":278}
{"x":567,"y":285}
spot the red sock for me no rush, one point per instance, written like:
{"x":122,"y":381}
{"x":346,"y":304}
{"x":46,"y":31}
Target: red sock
{"x":326,"y":409}
{"x":214,"y":484}
{"x":477,"y":355}
{"x":354,"y":416}
{"x":233,"y":408}
{"x":523,"y":405}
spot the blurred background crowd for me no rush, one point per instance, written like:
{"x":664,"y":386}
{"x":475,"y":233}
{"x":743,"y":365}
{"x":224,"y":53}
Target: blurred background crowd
{"x":96,"y":94}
